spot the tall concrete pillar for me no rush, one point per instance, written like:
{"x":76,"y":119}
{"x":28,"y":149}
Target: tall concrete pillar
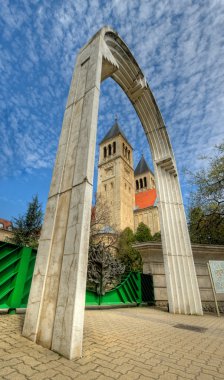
{"x":55,"y":312}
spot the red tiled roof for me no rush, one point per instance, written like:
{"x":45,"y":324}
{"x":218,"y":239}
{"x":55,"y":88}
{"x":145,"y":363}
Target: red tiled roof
{"x":145,"y":198}
{"x":6,"y":223}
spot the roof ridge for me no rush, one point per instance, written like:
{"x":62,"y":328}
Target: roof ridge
{"x":142,"y":167}
{"x":114,"y":131}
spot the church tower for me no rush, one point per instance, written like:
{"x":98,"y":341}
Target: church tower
{"x":144,"y":178}
{"x":146,"y":210}
{"x":116,"y":178}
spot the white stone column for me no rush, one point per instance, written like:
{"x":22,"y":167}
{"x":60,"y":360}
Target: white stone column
{"x":55,"y":310}
{"x":182,"y":287}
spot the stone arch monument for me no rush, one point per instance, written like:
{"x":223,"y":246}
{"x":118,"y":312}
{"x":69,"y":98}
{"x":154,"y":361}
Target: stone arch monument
{"x":55,"y":312}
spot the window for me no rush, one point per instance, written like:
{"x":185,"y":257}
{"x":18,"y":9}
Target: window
{"x":128,"y":155}
{"x":105,"y":152}
{"x":1,"y":225}
{"x":105,"y":187}
{"x":126,"y":152}
{"x":109,"y":150}
{"x":111,"y":185}
{"x":141,"y":183}
{"x":114,"y":147}
{"x":123,"y":150}
{"x":137,"y":184}
{"x":145,"y":182}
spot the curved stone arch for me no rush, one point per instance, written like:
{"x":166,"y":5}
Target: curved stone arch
{"x":55,"y":312}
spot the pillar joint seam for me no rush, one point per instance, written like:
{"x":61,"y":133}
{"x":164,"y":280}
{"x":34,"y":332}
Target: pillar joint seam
{"x":76,"y":101}
{"x":72,"y":187}
{"x":156,"y":129}
{"x":170,"y":203}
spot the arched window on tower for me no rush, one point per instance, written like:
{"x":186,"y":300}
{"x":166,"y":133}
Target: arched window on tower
{"x":128,"y":155}
{"x":126,"y":152}
{"x":137,"y":184}
{"x":123,"y":150}
{"x":145,"y":182}
{"x":141,"y":183}
{"x":109,"y":150}
{"x":114,"y":147}
{"x":105,"y":152}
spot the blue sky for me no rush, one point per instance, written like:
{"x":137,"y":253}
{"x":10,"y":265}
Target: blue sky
{"x":178,"y":44}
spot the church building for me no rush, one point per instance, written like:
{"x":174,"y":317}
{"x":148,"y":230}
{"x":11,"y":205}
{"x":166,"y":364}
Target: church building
{"x":129,"y":194}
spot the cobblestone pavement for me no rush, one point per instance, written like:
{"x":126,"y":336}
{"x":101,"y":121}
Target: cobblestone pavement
{"x":136,"y":343}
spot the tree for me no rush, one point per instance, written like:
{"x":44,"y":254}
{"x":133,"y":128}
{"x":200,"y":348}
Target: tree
{"x":101,"y":228}
{"x":26,"y":228}
{"x":143,"y":233}
{"x":127,"y":254}
{"x":206,"y":212}
{"x":104,"y":270}
{"x":157,"y":236}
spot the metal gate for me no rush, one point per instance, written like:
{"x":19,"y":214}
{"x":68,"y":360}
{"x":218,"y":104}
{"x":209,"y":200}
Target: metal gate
{"x":147,"y":289}
{"x":16,"y":271}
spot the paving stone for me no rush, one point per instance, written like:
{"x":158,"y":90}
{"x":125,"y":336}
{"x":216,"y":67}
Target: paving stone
{"x":145,"y":372}
{"x":25,"y":370}
{"x":130,"y":376}
{"x":67,"y":371}
{"x":101,"y":363}
{"x":62,"y":377}
{"x":182,"y":374}
{"x":29,"y":360}
{"x":91,"y":375}
{"x":171,"y":377}
{"x":88,"y":367}
{"x":124,"y":368}
{"x":108,"y":372}
{"x":15,"y":376}
{"x":213,"y":373}
{"x":204,"y":377}
{"x":48,"y":374}
{"x":137,"y":343}
{"x":9,"y":363}
{"x":160,"y":369}
{"x":8,"y":356}
{"x":6,"y":371}
{"x":44,"y":366}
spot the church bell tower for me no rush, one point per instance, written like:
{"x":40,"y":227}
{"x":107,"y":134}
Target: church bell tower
{"x":116,"y":178}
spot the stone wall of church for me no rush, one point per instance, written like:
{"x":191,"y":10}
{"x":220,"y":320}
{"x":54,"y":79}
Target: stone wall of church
{"x":144,"y":182}
{"x":149,"y":216}
{"x":5,"y":234}
{"x":152,"y":257}
{"x":127,"y":196}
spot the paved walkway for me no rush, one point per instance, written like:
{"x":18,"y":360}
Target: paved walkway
{"x":136,"y":343}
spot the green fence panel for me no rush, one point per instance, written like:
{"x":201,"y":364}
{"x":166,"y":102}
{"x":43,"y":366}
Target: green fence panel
{"x":16,"y":271}
{"x":126,"y":293}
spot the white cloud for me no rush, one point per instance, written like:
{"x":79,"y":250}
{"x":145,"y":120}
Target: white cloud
{"x":178,"y":44}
